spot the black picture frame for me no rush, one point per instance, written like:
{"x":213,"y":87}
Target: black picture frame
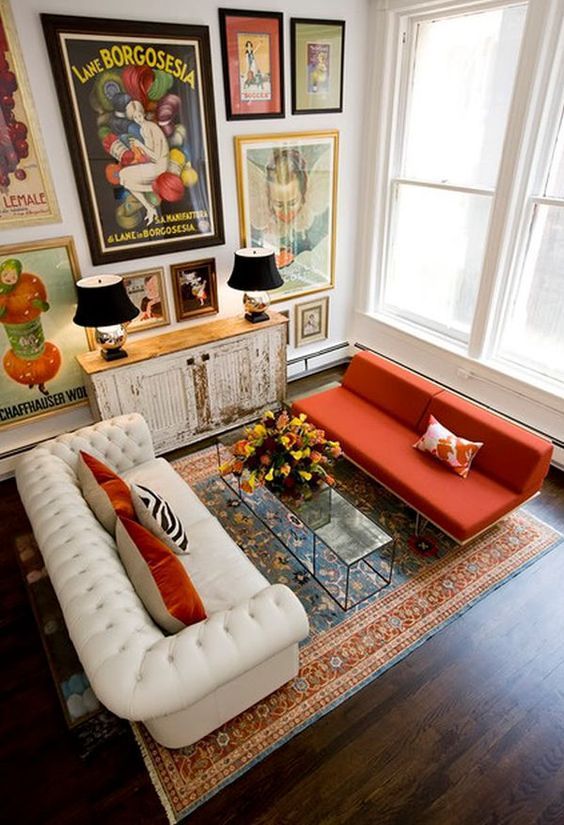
{"x":327,"y":30}
{"x":235,"y":109}
{"x":100,"y":66}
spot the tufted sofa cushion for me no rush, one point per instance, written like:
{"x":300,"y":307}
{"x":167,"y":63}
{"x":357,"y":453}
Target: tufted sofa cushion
{"x":134,"y":669}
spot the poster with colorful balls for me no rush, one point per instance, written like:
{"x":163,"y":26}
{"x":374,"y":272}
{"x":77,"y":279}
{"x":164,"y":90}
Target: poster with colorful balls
{"x":137,"y":103}
{"x":26,"y":192}
{"x":39,"y":343}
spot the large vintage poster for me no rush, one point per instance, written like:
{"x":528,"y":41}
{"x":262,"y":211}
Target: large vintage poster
{"x":287,"y":201}
{"x":138,"y":106}
{"x":26,"y":192}
{"x":39,"y":342}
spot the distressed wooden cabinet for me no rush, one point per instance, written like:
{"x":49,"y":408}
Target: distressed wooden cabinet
{"x":193,"y":382}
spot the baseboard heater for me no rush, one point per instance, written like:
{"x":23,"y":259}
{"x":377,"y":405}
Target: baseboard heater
{"x":305,"y":359}
{"x":555,"y":441}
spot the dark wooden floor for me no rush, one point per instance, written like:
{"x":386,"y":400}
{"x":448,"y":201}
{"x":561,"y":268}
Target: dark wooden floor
{"x":467,"y":730}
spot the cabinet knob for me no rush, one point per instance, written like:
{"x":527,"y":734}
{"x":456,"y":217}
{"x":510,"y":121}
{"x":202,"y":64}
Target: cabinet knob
{"x":206,"y":356}
{"x":190,"y":362}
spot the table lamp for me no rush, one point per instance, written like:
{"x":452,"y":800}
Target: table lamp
{"x":254,"y":272}
{"x":104,"y":304}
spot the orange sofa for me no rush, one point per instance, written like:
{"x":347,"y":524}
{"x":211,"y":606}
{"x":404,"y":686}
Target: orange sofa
{"x":379,"y":412}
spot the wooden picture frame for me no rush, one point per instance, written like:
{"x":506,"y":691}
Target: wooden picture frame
{"x":195,"y":288}
{"x":312,"y":321}
{"x":28,"y":196}
{"x":252,"y":49}
{"x":317,"y":50}
{"x":147,"y":290}
{"x":39,"y":374}
{"x":287,"y":193}
{"x":137,"y":101}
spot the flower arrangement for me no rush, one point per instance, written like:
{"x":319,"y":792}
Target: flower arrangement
{"x":287,"y":454}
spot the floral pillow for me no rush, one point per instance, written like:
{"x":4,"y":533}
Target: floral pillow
{"x":454,"y":451}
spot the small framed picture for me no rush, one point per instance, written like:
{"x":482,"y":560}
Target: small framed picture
{"x":146,"y":290}
{"x":318,"y":52}
{"x":195,"y":288}
{"x":253,"y":73}
{"x":312,"y":321}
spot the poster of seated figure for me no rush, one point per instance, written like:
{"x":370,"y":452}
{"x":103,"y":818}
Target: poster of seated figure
{"x":287,"y":188}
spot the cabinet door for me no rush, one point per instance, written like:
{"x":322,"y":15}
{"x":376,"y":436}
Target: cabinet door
{"x":229,"y":380}
{"x":269,"y":372}
{"x":162,"y":390}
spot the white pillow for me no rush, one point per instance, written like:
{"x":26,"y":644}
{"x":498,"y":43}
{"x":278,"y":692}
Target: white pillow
{"x":157,"y":516}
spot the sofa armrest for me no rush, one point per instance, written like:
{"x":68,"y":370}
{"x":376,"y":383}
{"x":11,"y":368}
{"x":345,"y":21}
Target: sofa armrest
{"x":177,"y":671}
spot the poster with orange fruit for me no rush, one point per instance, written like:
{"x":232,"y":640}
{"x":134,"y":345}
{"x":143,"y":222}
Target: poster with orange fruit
{"x":39,"y":373}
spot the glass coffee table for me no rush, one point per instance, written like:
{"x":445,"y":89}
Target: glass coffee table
{"x":346,"y":551}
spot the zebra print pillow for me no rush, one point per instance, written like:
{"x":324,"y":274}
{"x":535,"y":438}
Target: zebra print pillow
{"x":159,"y":518}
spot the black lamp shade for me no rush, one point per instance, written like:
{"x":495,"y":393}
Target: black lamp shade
{"x":103,"y":302}
{"x":254,"y":270}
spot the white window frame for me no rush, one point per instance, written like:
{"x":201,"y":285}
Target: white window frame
{"x":391,"y":22}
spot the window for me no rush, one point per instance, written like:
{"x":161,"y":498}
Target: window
{"x":456,"y":84}
{"x":532,"y":329}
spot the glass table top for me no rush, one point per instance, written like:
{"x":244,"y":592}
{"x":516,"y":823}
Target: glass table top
{"x":334,"y":519}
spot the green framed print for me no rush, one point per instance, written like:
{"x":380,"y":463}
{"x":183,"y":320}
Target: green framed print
{"x":39,"y":373}
{"x":138,"y":108}
{"x":318,"y":58}
{"x":26,"y":191}
{"x":287,"y":191}
{"x":147,"y":291}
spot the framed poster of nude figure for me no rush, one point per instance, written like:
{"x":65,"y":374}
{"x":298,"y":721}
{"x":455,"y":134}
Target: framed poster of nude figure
{"x":137,"y":104}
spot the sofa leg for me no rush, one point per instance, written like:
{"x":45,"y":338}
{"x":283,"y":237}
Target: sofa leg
{"x":420,"y":523}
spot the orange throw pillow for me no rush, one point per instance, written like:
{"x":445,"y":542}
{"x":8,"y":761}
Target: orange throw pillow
{"x":457,"y":453}
{"x":106,"y":493}
{"x":159,"y":577}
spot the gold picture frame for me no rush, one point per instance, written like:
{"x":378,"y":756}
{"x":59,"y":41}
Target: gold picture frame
{"x":146,"y":289}
{"x":28,"y":195}
{"x":287,"y":196}
{"x":39,"y":374}
{"x":312,"y":321}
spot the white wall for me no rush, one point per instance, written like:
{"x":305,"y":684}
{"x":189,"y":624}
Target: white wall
{"x":354,"y":12}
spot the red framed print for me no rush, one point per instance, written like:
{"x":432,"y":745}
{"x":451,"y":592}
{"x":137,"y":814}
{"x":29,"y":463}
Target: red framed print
{"x":253,"y":75}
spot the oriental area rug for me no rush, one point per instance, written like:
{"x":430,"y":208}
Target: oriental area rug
{"x":434,"y":582}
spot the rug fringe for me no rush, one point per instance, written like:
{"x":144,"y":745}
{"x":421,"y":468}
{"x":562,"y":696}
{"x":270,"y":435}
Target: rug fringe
{"x":155,"y":779}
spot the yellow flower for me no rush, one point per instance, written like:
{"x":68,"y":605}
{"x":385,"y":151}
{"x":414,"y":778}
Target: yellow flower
{"x":268,"y":414}
{"x":270,"y":475}
{"x":297,"y":454}
{"x":305,"y":475}
{"x":285,"y":469}
{"x":252,"y":480}
{"x":225,"y":468}
{"x":295,"y":422}
{"x":249,"y":449}
{"x":285,"y":440}
{"x":259,"y":430}
{"x":306,"y":451}
{"x":303,"y":417}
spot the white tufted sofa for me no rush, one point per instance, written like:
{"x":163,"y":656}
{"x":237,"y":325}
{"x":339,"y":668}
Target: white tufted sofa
{"x":181,"y":686}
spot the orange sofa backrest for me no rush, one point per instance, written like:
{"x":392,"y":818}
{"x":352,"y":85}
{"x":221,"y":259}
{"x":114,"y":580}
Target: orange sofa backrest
{"x":512,"y":455}
{"x":393,"y":389}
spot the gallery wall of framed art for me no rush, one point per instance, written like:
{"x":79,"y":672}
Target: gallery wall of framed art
{"x":86,"y":133}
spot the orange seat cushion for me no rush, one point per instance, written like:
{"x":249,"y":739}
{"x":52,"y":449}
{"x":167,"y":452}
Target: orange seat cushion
{"x":383,"y":447}
{"x":513,"y":456}
{"x":400,"y":393}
